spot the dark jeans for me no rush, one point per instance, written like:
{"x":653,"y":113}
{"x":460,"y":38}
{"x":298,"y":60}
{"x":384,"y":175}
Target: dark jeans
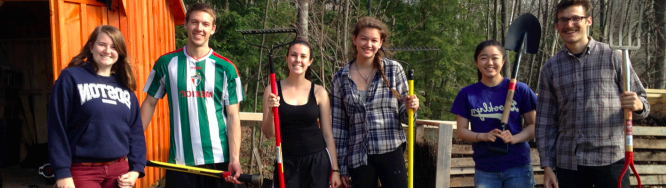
{"x":175,"y":179}
{"x":593,"y":176}
{"x":105,"y":176}
{"x":388,"y":167}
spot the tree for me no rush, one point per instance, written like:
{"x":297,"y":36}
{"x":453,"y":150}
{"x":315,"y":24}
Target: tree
{"x":303,"y":7}
{"x":660,"y":77}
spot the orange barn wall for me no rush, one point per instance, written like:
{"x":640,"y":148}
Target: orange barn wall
{"x":148,"y":27}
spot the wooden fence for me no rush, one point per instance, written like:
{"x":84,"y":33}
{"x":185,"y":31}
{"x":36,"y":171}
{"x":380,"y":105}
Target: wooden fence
{"x":649,"y":145}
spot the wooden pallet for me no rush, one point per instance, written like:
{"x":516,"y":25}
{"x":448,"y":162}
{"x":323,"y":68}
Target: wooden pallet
{"x":461,"y":170}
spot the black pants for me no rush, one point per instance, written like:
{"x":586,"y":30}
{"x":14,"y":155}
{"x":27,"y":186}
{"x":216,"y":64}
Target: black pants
{"x":175,"y":179}
{"x":388,"y":167}
{"x":309,"y":171}
{"x":593,"y":176}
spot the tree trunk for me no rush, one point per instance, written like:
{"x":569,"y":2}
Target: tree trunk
{"x":513,"y":10}
{"x":303,"y":19}
{"x":660,"y":64}
{"x":504,"y":27}
{"x":321,"y":47}
{"x":495,"y":20}
{"x":488,"y":22}
{"x":345,"y":31}
{"x":602,"y":20}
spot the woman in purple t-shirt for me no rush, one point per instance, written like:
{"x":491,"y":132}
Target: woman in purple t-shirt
{"x":481,"y":105}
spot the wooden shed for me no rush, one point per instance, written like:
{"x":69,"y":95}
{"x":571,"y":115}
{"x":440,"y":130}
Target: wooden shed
{"x":38,"y":39}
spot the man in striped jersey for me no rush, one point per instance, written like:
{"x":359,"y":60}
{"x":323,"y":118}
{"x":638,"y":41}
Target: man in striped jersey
{"x":203,"y":90}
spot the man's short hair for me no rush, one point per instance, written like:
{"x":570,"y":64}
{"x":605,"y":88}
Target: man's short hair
{"x":200,"y":7}
{"x":564,"y":4}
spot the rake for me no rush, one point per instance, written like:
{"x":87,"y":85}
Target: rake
{"x":625,"y":31}
{"x":276,"y":118}
{"x":410,"y":112}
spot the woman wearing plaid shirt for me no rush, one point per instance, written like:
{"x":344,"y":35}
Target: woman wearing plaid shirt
{"x":369,"y":104}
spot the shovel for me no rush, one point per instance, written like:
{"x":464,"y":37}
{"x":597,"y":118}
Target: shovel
{"x":523,"y":36}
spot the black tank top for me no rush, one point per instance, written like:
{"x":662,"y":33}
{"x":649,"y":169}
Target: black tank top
{"x":300,"y":132}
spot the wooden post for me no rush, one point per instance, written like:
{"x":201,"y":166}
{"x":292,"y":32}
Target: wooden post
{"x":260,"y":166}
{"x":419,"y":134}
{"x":444,"y":155}
{"x":252,"y":149}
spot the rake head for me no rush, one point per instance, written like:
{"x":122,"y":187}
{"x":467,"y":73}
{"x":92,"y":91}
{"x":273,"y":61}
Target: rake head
{"x":268,"y":31}
{"x":625,"y":24}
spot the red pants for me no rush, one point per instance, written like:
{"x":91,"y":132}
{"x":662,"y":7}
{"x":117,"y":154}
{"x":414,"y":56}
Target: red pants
{"x":104,"y":176}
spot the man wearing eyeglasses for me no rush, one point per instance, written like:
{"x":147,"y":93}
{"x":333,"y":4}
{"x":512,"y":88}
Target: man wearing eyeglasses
{"x":579,"y":127}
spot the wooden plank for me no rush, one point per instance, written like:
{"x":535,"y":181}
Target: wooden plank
{"x":470,"y":170}
{"x":649,"y":156}
{"x":467,"y":149}
{"x":419,"y":134}
{"x":88,"y":2}
{"x":649,"y":131}
{"x":658,"y":108}
{"x":444,"y":155}
{"x":461,"y":149}
{"x":650,"y":169}
{"x":649,"y":180}
{"x":436,"y":122}
{"x":468,"y":181}
{"x":469,"y":162}
{"x":653,"y":95}
{"x":656,"y":91}
{"x":84,"y":16}
{"x":642,"y":169}
{"x":55,"y":36}
{"x":251,"y":116}
{"x":649,"y":144}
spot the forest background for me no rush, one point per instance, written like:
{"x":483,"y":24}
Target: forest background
{"x":453,"y":26}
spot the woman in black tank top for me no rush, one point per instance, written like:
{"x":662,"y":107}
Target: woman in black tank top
{"x":308,"y":148}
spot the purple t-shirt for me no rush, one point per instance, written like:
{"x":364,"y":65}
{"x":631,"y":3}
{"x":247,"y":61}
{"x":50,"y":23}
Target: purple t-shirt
{"x":483,"y":107}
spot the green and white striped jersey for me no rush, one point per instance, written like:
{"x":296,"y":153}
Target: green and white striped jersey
{"x":198,"y":91}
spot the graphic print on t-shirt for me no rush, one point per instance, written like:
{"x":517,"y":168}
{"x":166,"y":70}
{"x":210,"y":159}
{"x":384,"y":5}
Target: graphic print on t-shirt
{"x":109,"y":94}
{"x":490,"y":111}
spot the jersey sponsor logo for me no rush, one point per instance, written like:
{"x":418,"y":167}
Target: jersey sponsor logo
{"x":485,"y":112}
{"x":202,"y":94}
{"x":109,"y":94}
{"x":196,"y":79}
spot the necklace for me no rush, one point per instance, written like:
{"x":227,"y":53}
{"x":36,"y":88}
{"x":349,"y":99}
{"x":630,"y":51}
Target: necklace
{"x":365,"y":78}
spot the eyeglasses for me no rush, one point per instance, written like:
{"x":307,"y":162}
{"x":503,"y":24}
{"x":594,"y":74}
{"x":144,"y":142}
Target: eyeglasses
{"x":565,"y":20}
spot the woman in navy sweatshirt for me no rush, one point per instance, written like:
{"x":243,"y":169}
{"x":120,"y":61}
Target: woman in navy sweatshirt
{"x":95,"y":135}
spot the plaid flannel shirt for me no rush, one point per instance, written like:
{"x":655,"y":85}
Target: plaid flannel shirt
{"x":363,"y":128}
{"x":579,"y":120}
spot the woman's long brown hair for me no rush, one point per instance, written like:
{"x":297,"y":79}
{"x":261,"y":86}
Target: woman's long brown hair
{"x":122,"y":67}
{"x":370,"y":22}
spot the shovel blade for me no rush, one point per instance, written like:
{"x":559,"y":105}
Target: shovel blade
{"x":526,"y":24}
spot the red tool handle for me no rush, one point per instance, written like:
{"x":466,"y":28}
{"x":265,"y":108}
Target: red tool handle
{"x":278,"y":139}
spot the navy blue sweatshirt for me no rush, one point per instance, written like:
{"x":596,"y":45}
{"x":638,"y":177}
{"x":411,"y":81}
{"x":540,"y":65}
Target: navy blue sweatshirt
{"x":93,"y":118}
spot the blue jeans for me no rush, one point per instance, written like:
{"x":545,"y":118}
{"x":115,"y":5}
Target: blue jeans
{"x":517,"y":177}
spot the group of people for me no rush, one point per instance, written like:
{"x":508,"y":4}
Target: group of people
{"x":356,"y":138}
